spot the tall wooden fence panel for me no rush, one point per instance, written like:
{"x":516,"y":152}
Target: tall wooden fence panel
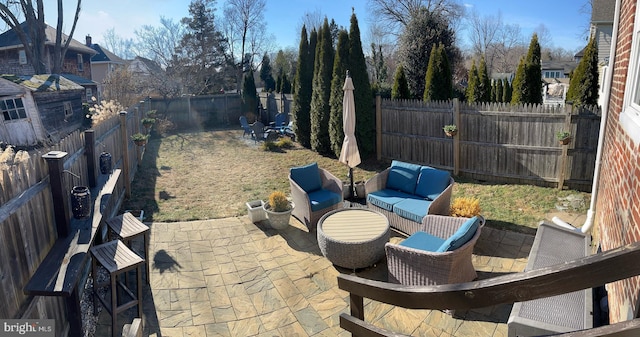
{"x":496,"y":142}
{"x":194,"y":112}
{"x":27,"y":222}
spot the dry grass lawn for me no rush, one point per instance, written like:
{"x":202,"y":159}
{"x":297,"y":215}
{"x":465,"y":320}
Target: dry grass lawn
{"x":212,"y":174}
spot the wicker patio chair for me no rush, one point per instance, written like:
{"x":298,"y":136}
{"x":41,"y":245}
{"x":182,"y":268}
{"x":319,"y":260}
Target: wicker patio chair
{"x":303,"y":196}
{"x":410,"y":266}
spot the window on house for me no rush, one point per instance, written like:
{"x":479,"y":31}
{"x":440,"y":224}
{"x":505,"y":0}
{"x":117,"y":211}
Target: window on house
{"x":12,"y":108}
{"x":88,"y":94}
{"x":630,"y":116}
{"x":68,"y":110}
{"x":22,"y":57}
{"x":80,"y":63}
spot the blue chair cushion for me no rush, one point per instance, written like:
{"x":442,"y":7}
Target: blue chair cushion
{"x":413,"y":209}
{"x":432,"y":182}
{"x":422,"y":241}
{"x":403,"y":177}
{"x":307,"y":177}
{"x":321,"y":199}
{"x":386,"y":198}
{"x":461,"y":236}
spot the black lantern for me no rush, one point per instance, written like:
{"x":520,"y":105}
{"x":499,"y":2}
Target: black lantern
{"x":80,"y":202}
{"x":105,"y":162}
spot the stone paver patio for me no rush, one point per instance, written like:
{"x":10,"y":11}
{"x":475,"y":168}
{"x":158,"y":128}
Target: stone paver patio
{"x":230,"y":277}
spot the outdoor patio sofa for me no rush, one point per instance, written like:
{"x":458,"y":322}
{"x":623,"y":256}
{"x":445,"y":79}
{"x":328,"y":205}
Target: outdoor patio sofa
{"x":406,"y":193}
{"x":441,"y":253}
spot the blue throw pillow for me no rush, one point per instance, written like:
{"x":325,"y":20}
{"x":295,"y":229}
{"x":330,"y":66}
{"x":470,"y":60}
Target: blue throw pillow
{"x":307,"y":177}
{"x":461,"y":236}
{"x":403,"y":177}
{"x":432,"y":182}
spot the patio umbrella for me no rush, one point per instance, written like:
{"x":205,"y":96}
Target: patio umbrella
{"x":349,"y":153}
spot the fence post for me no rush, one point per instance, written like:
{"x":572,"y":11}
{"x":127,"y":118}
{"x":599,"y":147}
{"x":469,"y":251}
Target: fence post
{"x":90,"y":152}
{"x":378,"y":127}
{"x":565,"y":149}
{"x":124,"y":139}
{"x":456,"y":138}
{"x":60,"y":197}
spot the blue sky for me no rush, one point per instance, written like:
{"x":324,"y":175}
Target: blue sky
{"x":562,"y":18}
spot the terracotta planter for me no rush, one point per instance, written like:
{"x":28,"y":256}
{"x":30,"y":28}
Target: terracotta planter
{"x":451,"y":133}
{"x":278,"y":220}
{"x":140,"y":142}
{"x":565,"y":141}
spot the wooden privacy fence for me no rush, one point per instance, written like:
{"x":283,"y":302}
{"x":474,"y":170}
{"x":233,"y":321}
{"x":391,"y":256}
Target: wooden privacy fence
{"x":197,"y":112}
{"x":495,"y":141}
{"x":30,"y":215}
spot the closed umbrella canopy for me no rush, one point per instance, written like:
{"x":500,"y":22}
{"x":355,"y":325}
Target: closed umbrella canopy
{"x":349,"y":153}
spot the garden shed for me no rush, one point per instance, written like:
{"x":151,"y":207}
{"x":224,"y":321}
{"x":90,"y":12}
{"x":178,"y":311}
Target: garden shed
{"x":38,"y":108}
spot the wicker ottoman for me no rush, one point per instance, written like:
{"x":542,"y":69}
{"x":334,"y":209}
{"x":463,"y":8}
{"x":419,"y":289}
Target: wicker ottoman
{"x":352,"y":237}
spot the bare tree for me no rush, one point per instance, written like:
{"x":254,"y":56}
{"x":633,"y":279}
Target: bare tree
{"x":159,"y":43}
{"x":125,"y":48}
{"x":509,"y":48}
{"x":244,"y":17}
{"x":396,"y":14}
{"x":13,"y":12}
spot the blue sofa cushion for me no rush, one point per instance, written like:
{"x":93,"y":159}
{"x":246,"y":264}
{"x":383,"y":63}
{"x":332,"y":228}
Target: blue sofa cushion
{"x":432,"y":182}
{"x":321,"y":199}
{"x":422,"y":241}
{"x":413,"y":209}
{"x":307,"y":177}
{"x":402,"y":177}
{"x":386,"y":198}
{"x":461,"y":236}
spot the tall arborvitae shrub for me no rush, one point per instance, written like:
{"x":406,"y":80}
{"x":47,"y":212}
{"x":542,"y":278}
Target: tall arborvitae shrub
{"x":518,"y":82}
{"x":302,"y":96}
{"x":506,"y":90}
{"x":400,"y":89}
{"x":365,"y":114}
{"x":322,"y":92}
{"x":336,"y":132}
{"x":249,"y":95}
{"x":438,"y":83}
{"x":472,"y":84}
{"x":527,"y":87}
{"x":583,"y":87}
{"x":265,"y":74}
{"x":499,"y":91}
{"x":484,"y":82}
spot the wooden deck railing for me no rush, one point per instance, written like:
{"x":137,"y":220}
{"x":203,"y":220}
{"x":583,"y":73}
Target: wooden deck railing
{"x":588,"y":272}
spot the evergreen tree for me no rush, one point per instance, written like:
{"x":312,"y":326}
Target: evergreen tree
{"x":322,"y":91}
{"x":438,"y":78}
{"x":583,"y":87}
{"x":506,"y":90}
{"x":499,"y":91}
{"x":518,"y":82}
{"x":265,"y":74}
{"x":313,"y":46}
{"x":527,"y":85}
{"x":472,"y":84}
{"x":302,"y":97}
{"x":279,"y":82}
{"x":400,"y":88}
{"x":340,"y":63}
{"x":286,"y":85}
{"x":484,"y":82}
{"x":363,"y":97}
{"x":249,"y":95}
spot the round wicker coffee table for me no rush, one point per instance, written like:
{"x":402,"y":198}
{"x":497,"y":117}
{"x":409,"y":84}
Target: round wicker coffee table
{"x":353,"y":237}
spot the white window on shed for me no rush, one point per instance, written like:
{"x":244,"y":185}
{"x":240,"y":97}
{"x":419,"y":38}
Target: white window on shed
{"x":80,"y":63}
{"x":12,"y":108}
{"x":22,"y":56}
{"x":68,"y":109}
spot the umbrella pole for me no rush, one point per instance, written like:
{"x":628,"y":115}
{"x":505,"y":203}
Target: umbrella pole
{"x":351,"y":196}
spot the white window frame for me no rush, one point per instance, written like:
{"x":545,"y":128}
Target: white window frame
{"x":88,"y":94}
{"x":68,"y":109}
{"x":80,"y":63}
{"x":630,"y":115}
{"x":22,"y":56}
{"x":14,"y":113}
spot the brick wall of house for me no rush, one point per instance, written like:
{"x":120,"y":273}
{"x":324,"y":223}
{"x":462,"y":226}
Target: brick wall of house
{"x":617,"y":210}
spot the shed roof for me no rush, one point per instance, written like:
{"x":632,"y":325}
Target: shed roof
{"x":43,"y":83}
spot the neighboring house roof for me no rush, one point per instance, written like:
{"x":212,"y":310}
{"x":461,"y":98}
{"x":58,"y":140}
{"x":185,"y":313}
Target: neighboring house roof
{"x":565,"y":66}
{"x":10,"y":40}
{"x":44,"y":82}
{"x":151,"y":66}
{"x":79,"y":79}
{"x":103,"y":55}
{"x":603,"y":11}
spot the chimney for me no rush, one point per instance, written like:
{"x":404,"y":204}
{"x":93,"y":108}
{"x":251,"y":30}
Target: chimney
{"x":88,"y":38}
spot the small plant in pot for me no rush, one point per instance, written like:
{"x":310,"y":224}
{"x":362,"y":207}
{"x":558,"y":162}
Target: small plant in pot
{"x":564,"y":137}
{"x":278,"y":209}
{"x":466,"y":207}
{"x":139,"y":138}
{"x":450,"y":130}
{"x":148,"y":122}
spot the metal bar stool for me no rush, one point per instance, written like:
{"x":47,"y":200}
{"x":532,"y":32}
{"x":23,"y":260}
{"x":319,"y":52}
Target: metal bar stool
{"x":127,"y":227}
{"x":116,"y":258}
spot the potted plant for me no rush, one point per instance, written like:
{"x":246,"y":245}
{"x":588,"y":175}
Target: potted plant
{"x":139,"y":138}
{"x":278,"y":209}
{"x":151,"y":113}
{"x":148,"y":122}
{"x":255,"y":210}
{"x":466,"y":207}
{"x":450,"y":130}
{"x":564,"y":137}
